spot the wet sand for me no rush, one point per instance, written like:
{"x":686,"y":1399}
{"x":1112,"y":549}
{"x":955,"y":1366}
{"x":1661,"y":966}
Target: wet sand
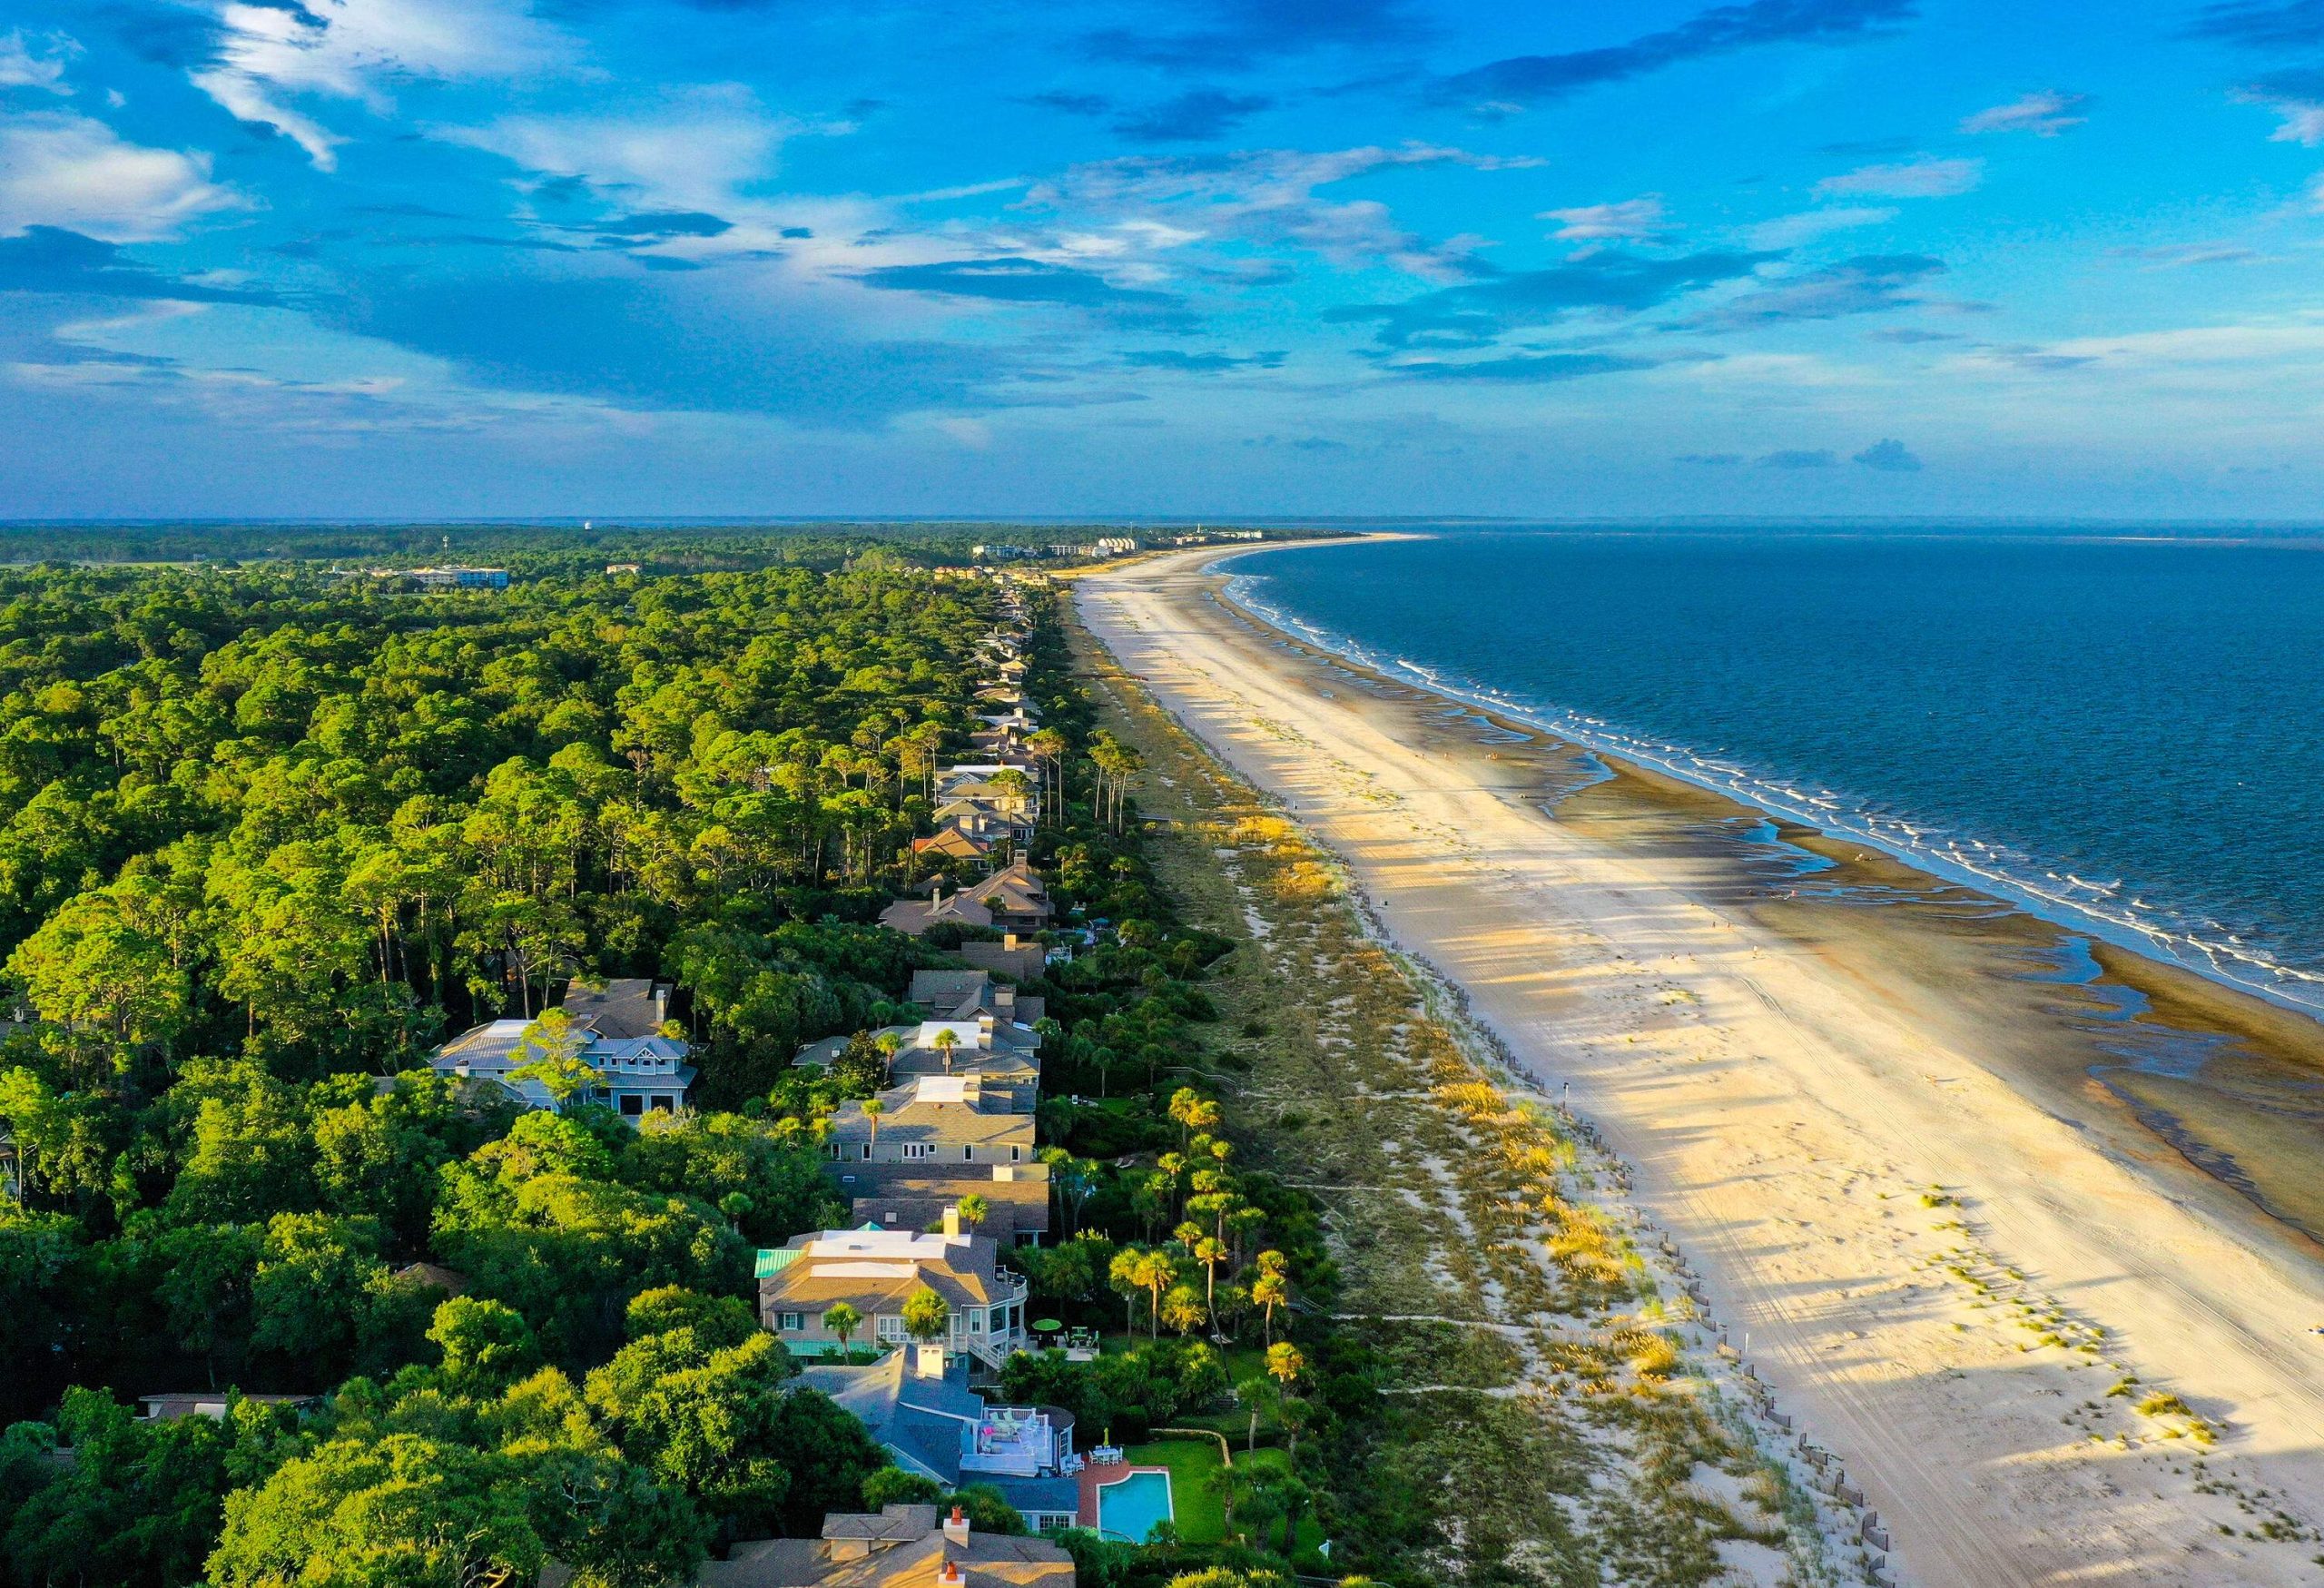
{"x":1957,"y":1173}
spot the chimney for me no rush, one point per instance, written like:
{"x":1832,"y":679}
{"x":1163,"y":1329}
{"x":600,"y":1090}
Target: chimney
{"x":928,"y":1359}
{"x":1004,"y":1000}
{"x":956,"y":1532}
{"x":952,"y":1219}
{"x":984,"y":1030}
{"x":1009,"y":940}
{"x":948,"y":1574}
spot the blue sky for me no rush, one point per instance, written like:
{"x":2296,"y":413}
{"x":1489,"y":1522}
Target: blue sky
{"x":512,"y":257}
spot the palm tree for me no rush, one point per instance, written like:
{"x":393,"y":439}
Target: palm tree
{"x":973,"y":1210}
{"x":872,"y":1109}
{"x":1285,"y":1365}
{"x":1210,"y":1253}
{"x":1183,"y":1310}
{"x":926,"y":1316}
{"x":1125,"y":1277}
{"x":1156,"y":1273}
{"x":889,"y":1043}
{"x":843,"y":1321}
{"x":1296,"y":1496}
{"x":1272,"y":1288}
{"x":1259,"y":1395}
{"x":945,"y":1042}
{"x":1194,"y":1113}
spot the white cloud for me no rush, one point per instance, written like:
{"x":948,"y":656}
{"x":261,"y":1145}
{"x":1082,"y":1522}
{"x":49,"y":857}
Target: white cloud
{"x":241,"y":97}
{"x":973,"y":434}
{"x":1791,"y":231}
{"x":2044,"y":113}
{"x":2299,"y":121}
{"x":57,"y":169}
{"x":2223,"y":357}
{"x":2168,"y":256}
{"x":340,"y":49}
{"x":1638,"y":219}
{"x":1924,"y":178}
{"x":22,"y":66}
{"x":1268,"y":196}
{"x":691,"y":153}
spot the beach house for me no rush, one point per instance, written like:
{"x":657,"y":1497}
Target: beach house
{"x":1012,"y":956}
{"x":1013,"y":899}
{"x":618,"y":1028}
{"x":937,"y":1120}
{"x":875,"y":1272}
{"x":903,"y":1546}
{"x":892,"y":1196}
{"x":972,"y":995}
{"x":935,"y":1426}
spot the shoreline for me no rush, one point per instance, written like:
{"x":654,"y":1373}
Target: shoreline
{"x":2126,"y":936}
{"x":2179,"y":996}
{"x":1871,"y":1115}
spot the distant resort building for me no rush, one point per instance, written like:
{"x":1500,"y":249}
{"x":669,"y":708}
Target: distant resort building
{"x":460,"y":578}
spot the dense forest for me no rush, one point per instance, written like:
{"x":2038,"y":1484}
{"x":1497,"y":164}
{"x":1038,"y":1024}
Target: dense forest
{"x":271,"y":836}
{"x":273,"y":833}
{"x":571,"y":548}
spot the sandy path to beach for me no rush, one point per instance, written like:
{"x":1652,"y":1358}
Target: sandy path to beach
{"x":1789,"y":1111}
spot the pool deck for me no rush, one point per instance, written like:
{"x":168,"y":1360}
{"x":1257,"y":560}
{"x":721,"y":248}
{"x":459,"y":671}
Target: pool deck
{"x":1093,"y":1478}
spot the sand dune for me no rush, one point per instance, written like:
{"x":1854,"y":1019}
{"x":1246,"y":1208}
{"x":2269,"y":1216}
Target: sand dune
{"x":1945,"y":1254}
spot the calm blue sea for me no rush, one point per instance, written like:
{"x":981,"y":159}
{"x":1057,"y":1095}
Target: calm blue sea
{"x":2128,"y":735}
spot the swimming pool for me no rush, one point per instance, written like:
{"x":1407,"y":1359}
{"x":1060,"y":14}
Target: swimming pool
{"x":1127,"y":1508}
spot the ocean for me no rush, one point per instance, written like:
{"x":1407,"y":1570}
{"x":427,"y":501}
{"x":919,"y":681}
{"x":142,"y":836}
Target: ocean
{"x":2126,"y":736}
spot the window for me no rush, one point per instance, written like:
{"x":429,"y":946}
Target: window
{"x":789,"y":1322}
{"x":831,"y":1149}
{"x":665,"y":1102}
{"x":916,"y":1149}
{"x":975,"y":1320}
{"x":888,"y":1327}
{"x":1015,"y":1153}
{"x":969,"y":1154}
{"x":632,"y":1105}
{"x":867,"y":1151}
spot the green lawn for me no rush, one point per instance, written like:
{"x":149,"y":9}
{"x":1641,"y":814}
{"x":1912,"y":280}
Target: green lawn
{"x":1201,"y":1514}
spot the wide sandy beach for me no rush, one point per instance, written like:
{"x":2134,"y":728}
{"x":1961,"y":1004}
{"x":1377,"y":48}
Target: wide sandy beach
{"x":1867,"y":1111}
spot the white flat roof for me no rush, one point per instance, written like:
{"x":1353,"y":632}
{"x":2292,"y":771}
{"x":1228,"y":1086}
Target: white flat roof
{"x":908,"y":1245}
